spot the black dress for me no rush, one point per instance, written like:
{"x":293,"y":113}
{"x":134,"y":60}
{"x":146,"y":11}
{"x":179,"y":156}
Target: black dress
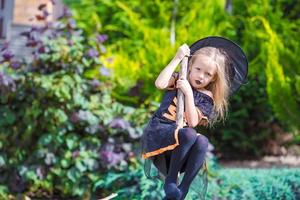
{"x":161,"y":133}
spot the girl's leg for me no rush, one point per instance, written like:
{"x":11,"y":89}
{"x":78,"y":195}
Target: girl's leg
{"x":187,"y":137}
{"x":194,"y":161}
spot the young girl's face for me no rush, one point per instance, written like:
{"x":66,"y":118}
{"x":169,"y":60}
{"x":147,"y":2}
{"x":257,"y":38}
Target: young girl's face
{"x":202,"y":72}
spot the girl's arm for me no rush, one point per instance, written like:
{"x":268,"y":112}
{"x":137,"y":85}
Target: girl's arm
{"x":164,"y":78}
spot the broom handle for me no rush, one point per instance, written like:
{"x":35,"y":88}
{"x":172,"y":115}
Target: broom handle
{"x":180,"y":95}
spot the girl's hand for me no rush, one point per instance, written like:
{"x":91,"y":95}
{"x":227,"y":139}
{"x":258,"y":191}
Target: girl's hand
{"x":184,"y":86}
{"x":182,"y":51}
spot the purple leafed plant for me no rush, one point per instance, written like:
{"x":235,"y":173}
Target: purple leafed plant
{"x":119,"y":123}
{"x":92,"y":53}
{"x":110,"y":158}
{"x":101,"y":38}
{"x":7,"y":55}
{"x":7,"y":83}
{"x":104,"y":71}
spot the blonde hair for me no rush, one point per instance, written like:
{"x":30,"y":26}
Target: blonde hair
{"x":220,"y":86}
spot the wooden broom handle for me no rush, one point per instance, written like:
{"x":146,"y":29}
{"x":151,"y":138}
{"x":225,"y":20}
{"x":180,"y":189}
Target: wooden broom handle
{"x":180,"y":95}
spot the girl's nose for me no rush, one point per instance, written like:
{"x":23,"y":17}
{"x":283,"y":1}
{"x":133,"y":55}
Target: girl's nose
{"x":201,"y":76}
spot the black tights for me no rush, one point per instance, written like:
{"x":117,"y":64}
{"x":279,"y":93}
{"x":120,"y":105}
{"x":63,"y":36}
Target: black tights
{"x":188,"y":157}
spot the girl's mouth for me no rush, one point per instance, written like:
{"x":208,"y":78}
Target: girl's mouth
{"x":198,"y":82}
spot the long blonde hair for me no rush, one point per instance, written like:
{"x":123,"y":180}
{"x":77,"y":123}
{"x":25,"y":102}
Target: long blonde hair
{"x":220,"y":86}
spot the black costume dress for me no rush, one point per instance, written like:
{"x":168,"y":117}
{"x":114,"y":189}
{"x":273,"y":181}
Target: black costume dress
{"x":161,"y":133}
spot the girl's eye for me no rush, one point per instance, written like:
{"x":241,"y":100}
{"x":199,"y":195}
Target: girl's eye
{"x":198,"y":68}
{"x":208,"y":74}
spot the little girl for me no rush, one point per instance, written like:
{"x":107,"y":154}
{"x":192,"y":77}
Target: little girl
{"x":216,"y":68}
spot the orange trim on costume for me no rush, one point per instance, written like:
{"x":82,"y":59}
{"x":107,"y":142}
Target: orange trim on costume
{"x":170,"y":117}
{"x":175,"y":100}
{"x":172,"y":111}
{"x":161,"y":150}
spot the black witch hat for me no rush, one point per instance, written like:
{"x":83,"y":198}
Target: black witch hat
{"x":237,"y":61}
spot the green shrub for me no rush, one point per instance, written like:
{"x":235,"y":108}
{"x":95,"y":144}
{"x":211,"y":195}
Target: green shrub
{"x":275,"y":183}
{"x":142,"y":42}
{"x":61,"y":132}
{"x":141,"y":36}
{"x":269,"y":36}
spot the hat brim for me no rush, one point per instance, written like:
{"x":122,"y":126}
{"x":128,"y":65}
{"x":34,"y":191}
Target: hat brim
{"x":238,"y":63}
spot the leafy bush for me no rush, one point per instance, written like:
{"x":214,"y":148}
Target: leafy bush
{"x":249,"y":123}
{"x":275,"y":183}
{"x":61,"y":132}
{"x":236,"y":183}
{"x":143,"y":37}
{"x":269,"y":36}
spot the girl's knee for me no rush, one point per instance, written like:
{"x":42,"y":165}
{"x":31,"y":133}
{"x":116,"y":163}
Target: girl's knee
{"x":187,"y":135}
{"x":202,"y":142}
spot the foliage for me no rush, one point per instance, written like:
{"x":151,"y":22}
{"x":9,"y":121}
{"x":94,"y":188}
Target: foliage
{"x":249,"y":124}
{"x":144,"y":37}
{"x":61,"y":131}
{"x":269,"y":35}
{"x":236,"y":183}
{"x":253,"y":184}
